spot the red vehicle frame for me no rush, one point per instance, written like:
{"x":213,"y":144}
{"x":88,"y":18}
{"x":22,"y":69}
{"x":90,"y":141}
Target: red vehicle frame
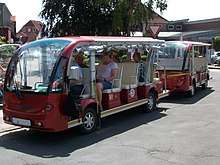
{"x":31,"y":101}
{"x":186,"y":65}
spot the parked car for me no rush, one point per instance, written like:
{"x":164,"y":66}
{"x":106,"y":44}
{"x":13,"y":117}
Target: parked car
{"x":215,"y":56}
{"x":218,"y":60}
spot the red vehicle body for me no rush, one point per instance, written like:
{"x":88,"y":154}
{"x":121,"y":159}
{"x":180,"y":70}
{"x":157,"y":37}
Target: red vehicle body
{"x":186,"y":65}
{"x":31,"y":101}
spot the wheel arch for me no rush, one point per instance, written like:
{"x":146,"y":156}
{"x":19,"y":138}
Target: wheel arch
{"x":153,"y":90}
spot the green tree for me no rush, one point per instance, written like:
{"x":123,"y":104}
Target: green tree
{"x":2,"y":40}
{"x":96,"y":17}
{"x":216,"y":43}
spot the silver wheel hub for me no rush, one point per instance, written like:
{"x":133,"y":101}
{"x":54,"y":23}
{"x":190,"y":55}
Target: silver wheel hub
{"x":89,"y":121}
{"x":192,"y":90}
{"x":150,"y":102}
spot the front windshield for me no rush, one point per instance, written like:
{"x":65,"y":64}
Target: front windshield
{"x":173,"y":50}
{"x":31,"y":68}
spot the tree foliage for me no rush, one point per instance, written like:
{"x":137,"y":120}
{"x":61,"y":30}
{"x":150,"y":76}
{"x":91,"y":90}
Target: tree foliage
{"x":216,"y":43}
{"x":2,"y":40}
{"x":96,"y":17}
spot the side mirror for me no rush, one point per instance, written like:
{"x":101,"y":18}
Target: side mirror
{"x":74,"y":73}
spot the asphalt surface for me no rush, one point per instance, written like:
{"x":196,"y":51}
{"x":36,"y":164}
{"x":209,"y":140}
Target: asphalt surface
{"x":182,"y":131}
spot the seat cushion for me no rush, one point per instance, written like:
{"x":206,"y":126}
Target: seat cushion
{"x":128,"y":86}
{"x":107,"y":91}
{"x":113,"y":90}
{"x":141,"y":83}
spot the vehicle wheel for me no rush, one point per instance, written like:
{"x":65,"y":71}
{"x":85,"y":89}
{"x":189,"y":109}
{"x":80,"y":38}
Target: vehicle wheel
{"x":204,"y":86}
{"x":89,"y":121}
{"x":191,"y":92}
{"x":151,"y":104}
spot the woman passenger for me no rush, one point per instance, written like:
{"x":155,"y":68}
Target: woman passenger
{"x":106,"y":73}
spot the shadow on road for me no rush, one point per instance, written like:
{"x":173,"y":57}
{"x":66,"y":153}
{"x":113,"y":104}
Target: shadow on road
{"x":62,"y":144}
{"x":182,"y":98}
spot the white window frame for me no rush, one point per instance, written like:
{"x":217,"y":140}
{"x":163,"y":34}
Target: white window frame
{"x":170,"y":27}
{"x":179,"y":27}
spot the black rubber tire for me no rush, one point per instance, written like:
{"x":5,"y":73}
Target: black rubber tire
{"x":152,"y":102}
{"x":191,"y":92}
{"x":89,"y":120}
{"x":204,"y":86}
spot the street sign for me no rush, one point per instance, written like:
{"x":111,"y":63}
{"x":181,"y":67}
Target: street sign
{"x":154,"y":29}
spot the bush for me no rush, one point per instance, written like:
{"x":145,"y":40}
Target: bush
{"x":216,"y":43}
{"x":123,"y":57}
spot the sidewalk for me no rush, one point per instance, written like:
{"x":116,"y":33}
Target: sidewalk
{"x":213,"y":67}
{"x":5,"y":127}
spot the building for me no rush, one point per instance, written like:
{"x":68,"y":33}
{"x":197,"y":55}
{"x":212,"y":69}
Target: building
{"x":7,"y":23}
{"x":30,"y":31}
{"x":201,"y":30}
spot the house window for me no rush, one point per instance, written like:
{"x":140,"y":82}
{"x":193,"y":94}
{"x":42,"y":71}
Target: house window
{"x":170,"y":27}
{"x":179,"y":27}
{"x":24,"y":30}
{"x":34,"y":30}
{"x":29,"y":30}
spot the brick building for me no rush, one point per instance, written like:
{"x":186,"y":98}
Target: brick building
{"x":30,"y":31}
{"x":201,"y":30}
{"x":7,"y":23}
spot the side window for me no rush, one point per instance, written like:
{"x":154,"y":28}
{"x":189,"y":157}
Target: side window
{"x":60,"y":75}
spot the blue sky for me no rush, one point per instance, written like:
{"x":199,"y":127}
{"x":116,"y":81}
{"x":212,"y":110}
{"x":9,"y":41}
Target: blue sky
{"x":26,"y":10}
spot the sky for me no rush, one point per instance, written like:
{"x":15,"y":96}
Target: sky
{"x":26,"y":10}
{"x":191,"y":9}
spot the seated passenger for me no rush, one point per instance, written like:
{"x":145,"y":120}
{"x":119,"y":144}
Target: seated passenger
{"x":114,"y":56}
{"x":142,"y":69}
{"x":76,"y":86}
{"x":106,"y":73}
{"x":72,"y":106}
{"x":79,"y":60}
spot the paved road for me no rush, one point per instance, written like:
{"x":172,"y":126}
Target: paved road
{"x":182,"y":131}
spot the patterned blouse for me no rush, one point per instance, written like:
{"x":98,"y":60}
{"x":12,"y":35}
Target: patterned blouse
{"x":142,"y":71}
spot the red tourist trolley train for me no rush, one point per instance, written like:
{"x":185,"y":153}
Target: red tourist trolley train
{"x":186,"y":65}
{"x":31,"y":100}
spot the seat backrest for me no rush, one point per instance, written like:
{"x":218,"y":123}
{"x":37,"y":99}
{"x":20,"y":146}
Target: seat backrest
{"x":120,"y":70}
{"x":200,"y":64}
{"x":86,"y":80}
{"x":172,"y":64}
{"x":130,"y":70}
{"x":118,"y":76}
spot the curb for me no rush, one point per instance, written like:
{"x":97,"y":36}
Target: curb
{"x":213,"y":67}
{"x":8,"y":128}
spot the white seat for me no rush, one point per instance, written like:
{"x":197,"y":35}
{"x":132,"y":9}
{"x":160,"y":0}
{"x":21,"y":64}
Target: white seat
{"x":116,"y":83}
{"x":200,"y":64}
{"x":129,"y":77}
{"x":86,"y":82}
